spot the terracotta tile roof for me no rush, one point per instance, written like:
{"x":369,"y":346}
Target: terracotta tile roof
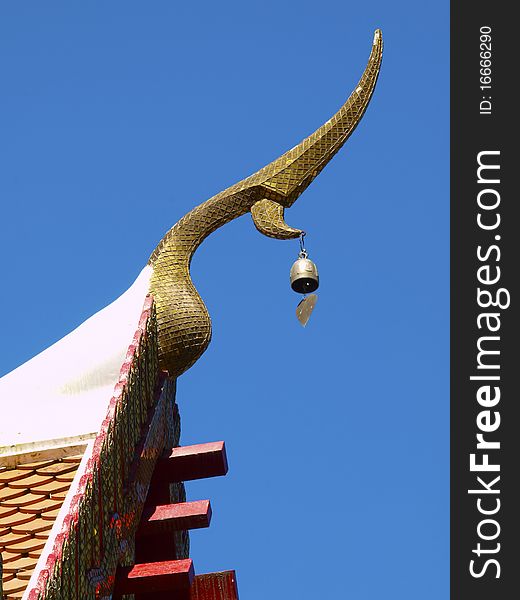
{"x":30,"y":497}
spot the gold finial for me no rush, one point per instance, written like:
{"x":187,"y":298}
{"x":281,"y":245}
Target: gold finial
{"x":183,"y":321}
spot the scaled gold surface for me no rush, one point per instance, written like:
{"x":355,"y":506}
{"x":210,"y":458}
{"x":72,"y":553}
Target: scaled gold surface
{"x":184,"y":325}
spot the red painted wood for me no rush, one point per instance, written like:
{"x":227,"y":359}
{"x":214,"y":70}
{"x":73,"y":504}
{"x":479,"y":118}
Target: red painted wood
{"x":193,"y":462}
{"x":215,"y":586}
{"x":175,"y":517}
{"x":164,"y":576}
{"x":155,"y":547}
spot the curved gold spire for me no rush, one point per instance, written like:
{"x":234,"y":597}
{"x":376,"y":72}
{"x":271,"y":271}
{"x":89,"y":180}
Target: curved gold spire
{"x":292,"y":173}
{"x":295,"y":170}
{"x":183,"y":321}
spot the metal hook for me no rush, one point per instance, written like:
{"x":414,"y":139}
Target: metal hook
{"x":302,"y":236}
{"x":303,"y":252}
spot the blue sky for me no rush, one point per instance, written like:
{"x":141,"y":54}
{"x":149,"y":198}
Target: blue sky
{"x":117,"y":118}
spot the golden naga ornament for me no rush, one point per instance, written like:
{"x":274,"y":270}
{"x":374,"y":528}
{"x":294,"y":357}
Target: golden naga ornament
{"x":184,"y":324}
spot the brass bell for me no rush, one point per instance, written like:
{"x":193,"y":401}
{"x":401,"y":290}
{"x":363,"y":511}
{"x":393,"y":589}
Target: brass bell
{"x":304,"y":275}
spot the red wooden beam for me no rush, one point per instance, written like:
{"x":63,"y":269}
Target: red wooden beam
{"x":215,"y":586}
{"x":175,"y":517}
{"x":192,"y":462}
{"x":165,"y":576}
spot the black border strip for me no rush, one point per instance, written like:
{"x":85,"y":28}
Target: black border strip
{"x":482,"y":121}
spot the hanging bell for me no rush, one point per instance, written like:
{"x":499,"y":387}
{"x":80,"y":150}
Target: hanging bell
{"x":304,"y":275}
{"x":304,"y":280}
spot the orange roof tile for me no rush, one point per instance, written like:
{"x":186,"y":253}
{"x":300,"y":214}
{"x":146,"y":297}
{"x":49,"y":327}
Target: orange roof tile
{"x":71,"y":459}
{"x":16,"y":519}
{"x":6,"y":512}
{"x":58,"y":468}
{"x":30,"y":481}
{"x":24,"y":498}
{"x":14,"y":585}
{"x":41,"y":506}
{"x":50,"y":515}
{"x":33,"y":527}
{"x":32,"y":466}
{"x":8,"y":557}
{"x":24,"y":563}
{"x":7,"y":494}
{"x":9,"y":539}
{"x":51,"y":488}
{"x":8,"y":475}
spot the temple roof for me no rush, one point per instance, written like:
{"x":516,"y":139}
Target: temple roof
{"x":43,"y":479}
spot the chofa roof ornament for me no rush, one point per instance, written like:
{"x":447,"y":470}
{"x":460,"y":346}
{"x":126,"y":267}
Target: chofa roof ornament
{"x":183,"y":321}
